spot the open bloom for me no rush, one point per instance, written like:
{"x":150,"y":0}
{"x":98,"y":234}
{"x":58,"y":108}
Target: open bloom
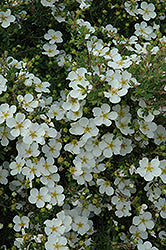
{"x":50,"y":50}
{"x":3,"y":86}
{"x":105,"y":187}
{"x":85,"y":127}
{"x":57,"y":196}
{"x":54,"y":225}
{"x":48,"y":3}
{"x":163,"y":170}
{"x":6,"y":18}
{"x":80,"y":224}
{"x":20,"y":222}
{"x":34,"y":133}
{"x":149,"y":170}
{"x":56,"y":243}
{"x":109,"y":145}
{"x":3,"y":174}
{"x":115,"y":92}
{"x":103,"y":115}
{"x":39,"y":197}
{"x":146,"y":246}
{"x":143,"y":29}
{"x":147,"y":11}
{"x":5,"y":135}
{"x":6,"y":111}
{"x":27,"y":102}
{"x":144,"y":221}
{"x":18,"y":124}
{"x":53,"y":36}
{"x":147,"y":128}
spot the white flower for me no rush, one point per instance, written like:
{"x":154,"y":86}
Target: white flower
{"x":18,"y":124}
{"x":122,"y":112}
{"x":6,"y":111}
{"x":163,"y":170}
{"x":71,"y":103}
{"x":123,"y":205}
{"x":5,"y":135}
{"x":126,"y":146}
{"x":26,"y":150}
{"x":34,"y":133}
{"x":56,"y":243}
{"x":54,"y":225}
{"x":47,"y":166}
{"x":162,"y":235}
{"x":146,"y":246}
{"x":74,"y":115}
{"x":52,"y":149}
{"x":124,"y":185}
{"x":6,"y":18}
{"x":48,"y":3}
{"x":53,"y":36}
{"x":49,"y":132}
{"x":76,"y":171}
{"x":81,"y":225}
{"x":110,"y":29}
{"x":84,"y":126}
{"x":161,"y":205}
{"x":50,"y":50}
{"x":66,"y":220}
{"x":80,"y":90}
{"x":86,"y":159}
{"x":41,"y":86}
{"x":124,"y":211}
{"x":103,"y":115}
{"x":105,"y":187}
{"x":119,"y":63}
{"x":72,"y":238}
{"x":3,"y":174}
{"x":39,"y":197}
{"x":137,"y":235}
{"x":27,"y":102}
{"x":124,"y":79}
{"x":143,"y":29}
{"x":147,"y":128}
{"x":57,"y":196}
{"x":147,"y":118}
{"x":92,"y":145}
{"x":122,"y":124}
{"x":16,"y":166}
{"x":152,"y":194}
{"x":31,"y":170}
{"x":144,"y":221}
{"x":3,"y":86}
{"x":99,"y":167}
{"x":82,"y":176}
{"x":50,"y":180}
{"x":77,"y":76}
{"x":147,"y":11}
{"x":160,"y":135}
{"x":89,"y":28}
{"x":20,"y":222}
{"x":132,"y":10}
{"x":57,"y":111}
{"x":114,"y":93}
{"x":74,"y":146}
{"x":109,"y":145}
{"x":149,"y":170}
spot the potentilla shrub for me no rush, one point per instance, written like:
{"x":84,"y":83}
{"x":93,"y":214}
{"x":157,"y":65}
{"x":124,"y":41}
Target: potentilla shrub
{"x":82,"y":124}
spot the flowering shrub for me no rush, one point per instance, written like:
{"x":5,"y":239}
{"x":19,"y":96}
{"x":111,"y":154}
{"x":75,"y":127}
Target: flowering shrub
{"x":82,"y":124}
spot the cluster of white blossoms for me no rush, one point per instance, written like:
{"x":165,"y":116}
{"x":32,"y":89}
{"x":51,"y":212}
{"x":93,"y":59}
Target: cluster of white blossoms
{"x":83,"y":153}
